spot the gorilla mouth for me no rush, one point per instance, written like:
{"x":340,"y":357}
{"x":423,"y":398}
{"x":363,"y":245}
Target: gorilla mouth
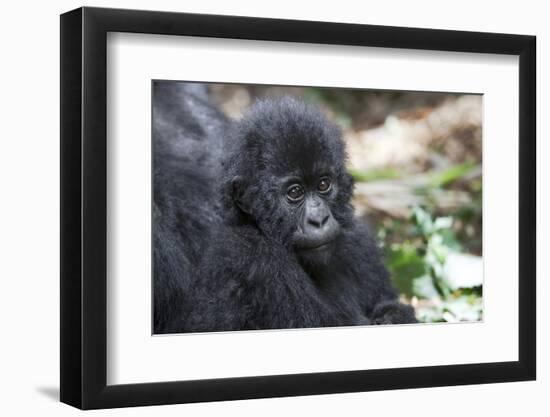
{"x":322,"y":242}
{"x":317,"y":247}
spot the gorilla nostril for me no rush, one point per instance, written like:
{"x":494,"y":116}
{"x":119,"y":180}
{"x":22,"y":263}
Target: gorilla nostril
{"x":314,"y":222}
{"x":325,"y":220}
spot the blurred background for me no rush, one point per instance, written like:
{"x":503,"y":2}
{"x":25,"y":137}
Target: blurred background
{"x":416,"y":159}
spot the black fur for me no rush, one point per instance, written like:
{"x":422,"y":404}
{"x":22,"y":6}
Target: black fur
{"x":225,"y":254}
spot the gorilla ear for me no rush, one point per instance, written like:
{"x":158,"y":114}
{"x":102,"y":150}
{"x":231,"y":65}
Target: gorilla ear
{"x":348,"y":180}
{"x":238,"y":189}
{"x":346,"y":186}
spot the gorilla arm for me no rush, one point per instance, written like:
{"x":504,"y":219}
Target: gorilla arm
{"x":252,"y":283}
{"x":364,"y":279}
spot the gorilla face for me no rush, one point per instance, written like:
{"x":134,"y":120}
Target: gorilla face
{"x":291,"y":181}
{"x":316,"y":228}
{"x":296,"y":210}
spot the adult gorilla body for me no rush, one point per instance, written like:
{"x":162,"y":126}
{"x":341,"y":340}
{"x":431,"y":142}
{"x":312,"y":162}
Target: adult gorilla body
{"x":187,"y":134}
{"x":254,"y":230}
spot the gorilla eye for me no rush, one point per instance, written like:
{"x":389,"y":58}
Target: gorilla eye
{"x":295,"y":192}
{"x":324,"y":185}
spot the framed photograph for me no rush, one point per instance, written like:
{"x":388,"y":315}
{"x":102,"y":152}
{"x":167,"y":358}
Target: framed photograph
{"x":257,"y":208}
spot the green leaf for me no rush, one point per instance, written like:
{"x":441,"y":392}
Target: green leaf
{"x":432,"y":314}
{"x":422,"y":220}
{"x":424,"y":287}
{"x":449,"y":240}
{"x":451,"y":174}
{"x":441,"y":223}
{"x":463,"y":309}
{"x":462,"y":270}
{"x":405,"y":265}
{"x":373,"y":174}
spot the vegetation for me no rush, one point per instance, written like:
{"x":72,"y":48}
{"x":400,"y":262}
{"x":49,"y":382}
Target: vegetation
{"x":418,"y":268}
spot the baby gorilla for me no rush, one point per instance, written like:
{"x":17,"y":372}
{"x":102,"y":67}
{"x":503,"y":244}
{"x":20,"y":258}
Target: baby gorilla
{"x":286,"y":251}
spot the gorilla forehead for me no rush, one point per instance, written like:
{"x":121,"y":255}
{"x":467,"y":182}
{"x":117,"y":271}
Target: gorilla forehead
{"x":288,"y":136}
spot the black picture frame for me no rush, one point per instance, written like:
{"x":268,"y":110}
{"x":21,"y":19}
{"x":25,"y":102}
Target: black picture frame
{"x":84,"y":207}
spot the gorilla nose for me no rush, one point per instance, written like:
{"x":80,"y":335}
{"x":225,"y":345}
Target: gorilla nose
{"x":319,"y":229}
{"x":318,"y":221}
